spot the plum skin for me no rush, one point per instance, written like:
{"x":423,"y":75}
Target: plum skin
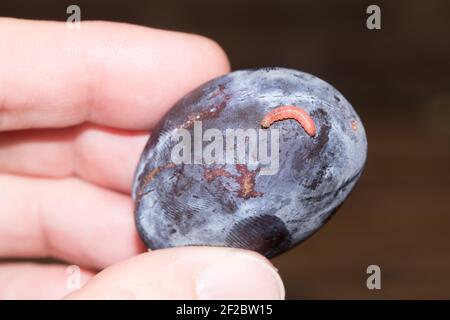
{"x":181,"y":205}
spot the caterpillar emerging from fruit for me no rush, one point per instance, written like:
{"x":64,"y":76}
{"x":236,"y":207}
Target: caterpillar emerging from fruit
{"x":290,"y":112}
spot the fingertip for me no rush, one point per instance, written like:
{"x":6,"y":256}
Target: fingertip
{"x":215,"y":54}
{"x":188,"y":273}
{"x":242,"y":275}
{"x":109,"y":73}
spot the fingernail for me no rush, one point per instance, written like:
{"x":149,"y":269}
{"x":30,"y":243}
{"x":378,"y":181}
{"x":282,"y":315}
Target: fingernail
{"x":240,"y":276}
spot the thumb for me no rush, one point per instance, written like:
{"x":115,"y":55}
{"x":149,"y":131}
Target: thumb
{"x":187,"y":273}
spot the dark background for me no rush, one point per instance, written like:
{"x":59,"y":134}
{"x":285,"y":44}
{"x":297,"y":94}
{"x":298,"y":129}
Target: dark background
{"x":397,"y":78}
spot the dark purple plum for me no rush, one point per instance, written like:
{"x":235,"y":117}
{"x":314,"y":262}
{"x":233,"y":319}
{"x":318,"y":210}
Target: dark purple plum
{"x":239,"y":202}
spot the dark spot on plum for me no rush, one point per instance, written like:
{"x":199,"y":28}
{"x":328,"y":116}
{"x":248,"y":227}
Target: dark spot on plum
{"x":265,"y":234}
{"x":318,"y":178}
{"x":324,"y":129}
{"x":268,"y":69}
{"x":314,"y":148}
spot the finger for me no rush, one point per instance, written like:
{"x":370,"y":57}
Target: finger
{"x":108,"y":73}
{"x":104,"y":156}
{"x":66,"y":218}
{"x":187,"y":273}
{"x":38,"y":281}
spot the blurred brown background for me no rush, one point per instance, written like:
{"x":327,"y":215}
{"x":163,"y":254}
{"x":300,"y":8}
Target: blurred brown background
{"x":398,"y":79}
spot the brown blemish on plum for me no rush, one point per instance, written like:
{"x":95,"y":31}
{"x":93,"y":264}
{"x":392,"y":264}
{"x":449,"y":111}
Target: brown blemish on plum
{"x":148,"y":177}
{"x":354,"y":125}
{"x":247,"y":182}
{"x":213,"y":111}
{"x":151,"y":175}
{"x":212,"y":174}
{"x":217,"y":92}
{"x":245,"y":179}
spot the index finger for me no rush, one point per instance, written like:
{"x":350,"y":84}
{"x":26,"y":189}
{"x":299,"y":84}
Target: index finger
{"x":112,"y":74}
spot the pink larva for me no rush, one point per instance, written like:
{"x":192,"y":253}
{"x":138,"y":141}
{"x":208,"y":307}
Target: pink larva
{"x":290,"y":112}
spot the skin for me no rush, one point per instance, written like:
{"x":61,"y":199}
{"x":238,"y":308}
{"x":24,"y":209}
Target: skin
{"x":75,"y":109}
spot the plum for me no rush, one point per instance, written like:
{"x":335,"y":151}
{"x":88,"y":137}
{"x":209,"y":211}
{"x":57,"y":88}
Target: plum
{"x":225,"y":167}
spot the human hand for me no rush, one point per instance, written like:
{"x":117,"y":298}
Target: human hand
{"x":75,"y":109}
